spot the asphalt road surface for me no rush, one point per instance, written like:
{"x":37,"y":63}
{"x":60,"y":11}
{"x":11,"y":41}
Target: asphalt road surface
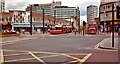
{"x":60,"y":49}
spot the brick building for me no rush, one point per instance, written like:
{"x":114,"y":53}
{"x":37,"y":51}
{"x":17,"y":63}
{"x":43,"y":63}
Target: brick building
{"x":21,"y":20}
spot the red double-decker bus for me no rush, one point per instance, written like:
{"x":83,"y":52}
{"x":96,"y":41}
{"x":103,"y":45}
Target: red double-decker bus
{"x":59,"y":29}
{"x":92,"y":27}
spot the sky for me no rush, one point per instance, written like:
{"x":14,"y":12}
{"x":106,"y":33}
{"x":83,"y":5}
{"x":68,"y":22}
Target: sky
{"x":22,"y":4}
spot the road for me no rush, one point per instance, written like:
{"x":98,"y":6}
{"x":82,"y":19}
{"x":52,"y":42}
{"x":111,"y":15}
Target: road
{"x":60,"y":49}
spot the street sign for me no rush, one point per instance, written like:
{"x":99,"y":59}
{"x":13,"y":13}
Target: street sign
{"x":118,"y":12}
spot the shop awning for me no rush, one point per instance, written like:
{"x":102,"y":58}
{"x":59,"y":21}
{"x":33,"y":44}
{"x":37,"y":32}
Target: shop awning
{"x":27,"y":25}
{"x":36,"y":25}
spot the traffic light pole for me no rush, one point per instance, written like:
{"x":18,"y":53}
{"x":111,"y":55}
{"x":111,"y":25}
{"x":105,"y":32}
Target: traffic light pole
{"x":31,"y":20}
{"x":112,"y":25}
{"x":83,"y":30}
{"x":43,"y":22}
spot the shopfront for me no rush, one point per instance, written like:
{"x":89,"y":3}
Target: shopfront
{"x":27,"y":27}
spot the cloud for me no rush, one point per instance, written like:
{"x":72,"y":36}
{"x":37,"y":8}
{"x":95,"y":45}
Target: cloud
{"x":83,"y":5}
{"x":22,"y":4}
{"x":14,"y":4}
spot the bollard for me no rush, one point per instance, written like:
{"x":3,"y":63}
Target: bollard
{"x":72,"y":32}
{"x":111,"y":34}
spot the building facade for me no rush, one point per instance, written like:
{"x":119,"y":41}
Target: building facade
{"x":21,"y":20}
{"x":92,"y":12}
{"x":2,"y":6}
{"x":105,"y":14}
{"x":37,"y":8}
{"x":65,"y":12}
{"x":62,"y":12}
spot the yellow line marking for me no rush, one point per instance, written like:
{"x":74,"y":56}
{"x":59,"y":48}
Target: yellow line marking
{"x":31,"y":58}
{"x":19,"y":60}
{"x":2,"y":57}
{"x":72,"y":57}
{"x":49,"y":56}
{"x":37,"y":58}
{"x":78,"y":54}
{"x":33,"y":52}
{"x":16,"y":50}
{"x":15,"y":54}
{"x":55,"y":54}
{"x":82,"y":60}
{"x":86,"y":57}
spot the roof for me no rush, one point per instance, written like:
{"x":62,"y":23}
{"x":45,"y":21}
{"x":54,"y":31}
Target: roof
{"x":63,"y":7}
{"x":6,"y":14}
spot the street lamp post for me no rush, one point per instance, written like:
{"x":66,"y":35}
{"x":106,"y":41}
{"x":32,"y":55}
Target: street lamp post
{"x":112,"y":25}
{"x":31,"y":20}
{"x":54,"y":16}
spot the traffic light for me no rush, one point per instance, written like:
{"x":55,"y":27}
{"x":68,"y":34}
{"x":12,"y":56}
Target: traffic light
{"x":118,"y":12}
{"x":84,"y":23}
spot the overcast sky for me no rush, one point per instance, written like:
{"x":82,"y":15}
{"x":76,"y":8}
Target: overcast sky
{"x":22,"y":4}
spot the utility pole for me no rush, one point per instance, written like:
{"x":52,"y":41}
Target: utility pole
{"x":54,"y":16}
{"x":43,"y":21}
{"x":112,"y":25}
{"x":31,"y":20}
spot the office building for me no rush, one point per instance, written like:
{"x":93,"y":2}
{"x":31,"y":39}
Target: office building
{"x":62,"y":12}
{"x":65,"y":12}
{"x":92,"y":12}
{"x":38,"y":8}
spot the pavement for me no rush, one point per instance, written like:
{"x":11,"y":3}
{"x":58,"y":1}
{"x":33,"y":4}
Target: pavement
{"x":107,"y":44}
{"x":22,"y":37}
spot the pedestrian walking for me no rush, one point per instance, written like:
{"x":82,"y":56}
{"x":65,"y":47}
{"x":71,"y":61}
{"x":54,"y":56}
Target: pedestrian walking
{"x":75,"y":31}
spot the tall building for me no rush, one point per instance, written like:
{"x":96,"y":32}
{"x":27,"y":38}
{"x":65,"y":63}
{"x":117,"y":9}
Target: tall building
{"x":92,"y":12}
{"x":47,"y":7}
{"x":62,"y":12}
{"x":65,"y":12}
{"x":2,"y":4}
{"x":105,"y":14}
